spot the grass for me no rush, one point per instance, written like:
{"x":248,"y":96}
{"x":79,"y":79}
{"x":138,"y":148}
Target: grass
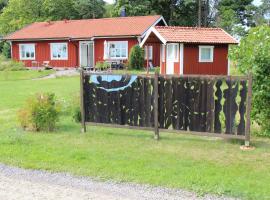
{"x":22,"y":75}
{"x":204,"y":165}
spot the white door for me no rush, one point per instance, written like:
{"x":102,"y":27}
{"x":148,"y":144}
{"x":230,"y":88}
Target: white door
{"x":170,"y":59}
{"x":87,"y":54}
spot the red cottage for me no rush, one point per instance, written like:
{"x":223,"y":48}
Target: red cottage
{"x":191,"y":50}
{"x":73,"y":43}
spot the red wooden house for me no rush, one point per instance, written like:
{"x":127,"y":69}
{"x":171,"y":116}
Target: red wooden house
{"x":74,"y":43}
{"x":191,"y":50}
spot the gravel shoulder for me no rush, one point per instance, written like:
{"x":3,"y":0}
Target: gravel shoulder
{"x":17,"y":183}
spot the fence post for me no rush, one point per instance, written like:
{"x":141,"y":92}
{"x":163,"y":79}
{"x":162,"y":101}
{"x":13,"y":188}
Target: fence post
{"x":156,"y":106}
{"x":83,"y":129}
{"x":249,"y":99}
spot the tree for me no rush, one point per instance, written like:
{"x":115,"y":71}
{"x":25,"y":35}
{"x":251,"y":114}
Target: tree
{"x":262,"y":15}
{"x":133,"y":7}
{"x":89,"y":8}
{"x":19,"y":13}
{"x":235,"y":15}
{"x":60,"y":9}
{"x":136,"y":57}
{"x":3,"y":4}
{"x":253,"y":55}
{"x":6,"y":50}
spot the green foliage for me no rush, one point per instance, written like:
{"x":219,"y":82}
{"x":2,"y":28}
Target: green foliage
{"x":60,"y":9}
{"x":136,"y":58}
{"x":19,"y":13}
{"x":6,"y":50}
{"x":234,"y":16}
{"x":89,"y":9}
{"x":10,"y":65}
{"x":76,"y":109}
{"x":102,"y":66}
{"x":40,"y":113}
{"x":253,"y":55}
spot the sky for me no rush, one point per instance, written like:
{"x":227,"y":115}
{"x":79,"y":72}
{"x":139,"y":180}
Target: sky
{"x":256,"y":2}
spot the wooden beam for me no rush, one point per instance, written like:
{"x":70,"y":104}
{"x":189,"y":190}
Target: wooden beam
{"x":83,"y":130}
{"x":249,"y":101}
{"x":156,"y":106}
{"x":207,"y":134}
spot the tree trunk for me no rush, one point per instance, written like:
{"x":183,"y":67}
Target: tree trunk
{"x":199,"y":13}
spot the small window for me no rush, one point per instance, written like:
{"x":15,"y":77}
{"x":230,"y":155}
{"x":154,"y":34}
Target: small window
{"x":150,"y":52}
{"x":59,"y":51}
{"x":118,"y":50}
{"x":206,"y":53}
{"x":173,"y":52}
{"x":27,"y":51}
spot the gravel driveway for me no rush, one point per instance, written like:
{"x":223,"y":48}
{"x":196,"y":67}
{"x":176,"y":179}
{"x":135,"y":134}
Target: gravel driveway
{"x":16,"y":183}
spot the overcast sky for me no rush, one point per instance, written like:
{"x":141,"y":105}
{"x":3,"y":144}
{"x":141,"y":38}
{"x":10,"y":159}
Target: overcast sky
{"x":256,"y":2}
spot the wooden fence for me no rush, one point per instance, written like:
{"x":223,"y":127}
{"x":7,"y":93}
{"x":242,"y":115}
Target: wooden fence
{"x":201,"y":105}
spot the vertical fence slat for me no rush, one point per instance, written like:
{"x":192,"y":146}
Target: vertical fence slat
{"x":249,"y":99}
{"x":82,"y":101}
{"x":156,"y":106}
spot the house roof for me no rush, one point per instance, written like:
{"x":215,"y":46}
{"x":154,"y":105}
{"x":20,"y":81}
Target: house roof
{"x":192,"y":35}
{"x":86,"y":28}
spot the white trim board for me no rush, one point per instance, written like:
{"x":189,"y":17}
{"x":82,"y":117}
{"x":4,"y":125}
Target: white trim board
{"x":181,"y":58}
{"x":153,"y":30}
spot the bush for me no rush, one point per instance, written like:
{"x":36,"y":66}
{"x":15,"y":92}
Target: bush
{"x":136,"y":58}
{"x":253,"y":55}
{"x":102,"y":66}
{"x":40,"y":113}
{"x":6,"y":50}
{"x":10,"y":65}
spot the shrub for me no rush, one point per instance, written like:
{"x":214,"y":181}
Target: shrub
{"x":102,"y":65}
{"x":6,"y":50}
{"x":10,"y":65}
{"x":40,"y":113}
{"x":253,"y":55}
{"x":136,"y":58}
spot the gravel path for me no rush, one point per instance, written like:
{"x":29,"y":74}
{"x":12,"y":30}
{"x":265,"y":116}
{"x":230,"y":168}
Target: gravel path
{"x":60,"y":73}
{"x":16,"y":183}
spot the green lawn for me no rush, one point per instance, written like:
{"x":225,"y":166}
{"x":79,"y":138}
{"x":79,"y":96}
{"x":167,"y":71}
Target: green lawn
{"x":201,"y":164}
{"x":23,"y":75}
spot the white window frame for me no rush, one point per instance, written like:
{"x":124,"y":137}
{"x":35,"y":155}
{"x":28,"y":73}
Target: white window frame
{"x":115,"y":42}
{"x":150,"y":54}
{"x":59,"y":43}
{"x":211,"y":53}
{"x":175,"y":59}
{"x":20,"y":50}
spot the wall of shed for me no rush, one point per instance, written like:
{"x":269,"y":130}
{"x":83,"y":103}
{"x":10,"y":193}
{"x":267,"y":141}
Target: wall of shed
{"x":156,"y":54}
{"x":218,"y":67}
{"x":43,"y":53}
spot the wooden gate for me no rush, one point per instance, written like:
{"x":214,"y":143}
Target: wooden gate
{"x":202,"y":105}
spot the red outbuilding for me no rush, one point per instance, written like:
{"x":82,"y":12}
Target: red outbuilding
{"x":191,"y":50}
{"x":74,"y":43}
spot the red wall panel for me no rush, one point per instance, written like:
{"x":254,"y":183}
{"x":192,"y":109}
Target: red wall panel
{"x":43,"y":53}
{"x":217,"y":67}
{"x":156,"y":54}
